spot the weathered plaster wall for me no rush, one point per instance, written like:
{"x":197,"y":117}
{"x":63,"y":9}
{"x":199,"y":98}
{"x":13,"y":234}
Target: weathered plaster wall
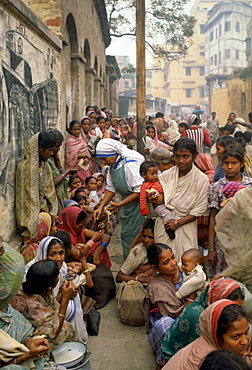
{"x":236,"y":97}
{"x":83,"y":28}
{"x":29,"y":95}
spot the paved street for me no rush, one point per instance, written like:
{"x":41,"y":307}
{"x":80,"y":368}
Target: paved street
{"x":119,"y":346}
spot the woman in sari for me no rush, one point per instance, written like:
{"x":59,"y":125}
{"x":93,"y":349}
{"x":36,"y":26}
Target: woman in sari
{"x":89,"y":136}
{"x":58,"y":172}
{"x":224,"y":325}
{"x":18,"y":349}
{"x":77,"y":153}
{"x":36,"y":301}
{"x":185,"y":193}
{"x":185,"y":328}
{"x":52,"y":248}
{"x":161,"y":304}
{"x":124,"y":178}
{"x":205,"y":164}
{"x":233,"y":228}
{"x":46,"y":226}
{"x":35,"y":191}
{"x":152,"y":141}
{"x":74,"y":219}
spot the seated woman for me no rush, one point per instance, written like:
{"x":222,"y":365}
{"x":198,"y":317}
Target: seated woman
{"x":35,"y":191}
{"x":17,"y":345}
{"x":74,"y":219}
{"x":223,"y":325}
{"x":52,"y":248}
{"x":46,"y":226}
{"x":177,"y":337}
{"x":161,"y":304}
{"x":38,"y":304}
{"x":136,"y":265}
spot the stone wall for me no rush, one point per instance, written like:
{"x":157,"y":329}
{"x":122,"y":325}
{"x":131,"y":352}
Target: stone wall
{"x":53,"y":64}
{"x":29,"y":94}
{"x":236,"y":97}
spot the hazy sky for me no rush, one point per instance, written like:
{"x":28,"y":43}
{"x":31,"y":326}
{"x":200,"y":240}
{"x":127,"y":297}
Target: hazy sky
{"x":126,"y":45}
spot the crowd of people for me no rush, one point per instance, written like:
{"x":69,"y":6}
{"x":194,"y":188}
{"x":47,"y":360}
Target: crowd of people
{"x":184,"y":209}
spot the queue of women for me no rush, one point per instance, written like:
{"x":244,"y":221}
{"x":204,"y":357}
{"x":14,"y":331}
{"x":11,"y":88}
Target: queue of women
{"x":185,"y":239}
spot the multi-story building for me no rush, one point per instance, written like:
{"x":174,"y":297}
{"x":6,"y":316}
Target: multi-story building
{"x":226,"y":32}
{"x":182,"y":82}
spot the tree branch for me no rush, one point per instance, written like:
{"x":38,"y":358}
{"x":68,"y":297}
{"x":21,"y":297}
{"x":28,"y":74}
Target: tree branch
{"x":123,"y":34}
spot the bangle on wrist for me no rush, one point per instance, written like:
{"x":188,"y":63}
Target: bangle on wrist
{"x":87,"y":270}
{"x":136,"y":278}
{"x":176,"y":222}
{"x":61,"y":315}
{"x":211,"y":249}
{"x":90,"y":243}
{"x":104,"y":244}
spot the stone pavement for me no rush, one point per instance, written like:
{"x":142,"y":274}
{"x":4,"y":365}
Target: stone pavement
{"x":119,"y":346}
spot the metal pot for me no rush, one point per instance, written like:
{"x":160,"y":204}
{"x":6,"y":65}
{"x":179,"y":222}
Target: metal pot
{"x":70,"y":354}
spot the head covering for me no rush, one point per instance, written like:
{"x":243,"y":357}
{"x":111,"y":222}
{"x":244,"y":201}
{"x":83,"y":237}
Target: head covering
{"x":159,"y":143}
{"x":11,"y":274}
{"x":165,"y":135}
{"x":34,"y":189}
{"x":85,"y":117}
{"x":173,"y":131}
{"x":230,"y":188}
{"x":192,"y":355}
{"x":96,"y":175}
{"x":42,"y":255}
{"x":239,"y":120}
{"x":70,"y":203}
{"x":42,"y":251}
{"x":176,"y":337}
{"x":68,"y":217}
{"x":103,"y":114}
{"x":191,"y":119}
{"x":103,"y":170}
{"x":110,"y":148}
{"x":205,"y":164}
{"x":220,"y":289}
{"x":30,"y":247}
{"x":90,"y":112}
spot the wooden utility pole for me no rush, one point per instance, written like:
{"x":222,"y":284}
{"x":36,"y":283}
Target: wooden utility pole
{"x":140,"y":74}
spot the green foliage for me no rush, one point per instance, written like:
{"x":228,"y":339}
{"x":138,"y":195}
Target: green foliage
{"x":166,"y":23}
{"x":129,"y":70}
{"x":245,"y":73}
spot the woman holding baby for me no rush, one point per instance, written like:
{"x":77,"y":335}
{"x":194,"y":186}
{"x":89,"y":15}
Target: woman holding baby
{"x":185,"y":193}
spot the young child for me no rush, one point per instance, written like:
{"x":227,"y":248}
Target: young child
{"x":152,"y":186}
{"x":74,"y":182}
{"x":91,"y":185}
{"x":229,"y":190}
{"x":193,"y":275}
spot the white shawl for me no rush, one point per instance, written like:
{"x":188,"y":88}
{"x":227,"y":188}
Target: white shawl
{"x":185,"y":196}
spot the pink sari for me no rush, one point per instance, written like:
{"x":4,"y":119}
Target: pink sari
{"x":29,"y":249}
{"x":76,"y":146}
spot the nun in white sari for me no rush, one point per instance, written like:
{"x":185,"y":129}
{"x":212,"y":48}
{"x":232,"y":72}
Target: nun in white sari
{"x":74,"y":313}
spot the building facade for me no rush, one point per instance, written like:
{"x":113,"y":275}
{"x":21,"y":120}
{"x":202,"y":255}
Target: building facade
{"x":53,"y":64}
{"x":226,"y":32}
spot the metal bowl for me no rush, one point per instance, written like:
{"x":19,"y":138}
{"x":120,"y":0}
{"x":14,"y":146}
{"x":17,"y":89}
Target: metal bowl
{"x":69,"y":354}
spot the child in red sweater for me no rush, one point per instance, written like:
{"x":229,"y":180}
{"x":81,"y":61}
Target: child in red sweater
{"x":152,"y":186}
